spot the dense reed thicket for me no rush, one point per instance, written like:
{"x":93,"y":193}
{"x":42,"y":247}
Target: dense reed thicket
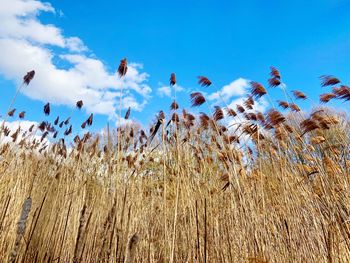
{"x":228,"y":185}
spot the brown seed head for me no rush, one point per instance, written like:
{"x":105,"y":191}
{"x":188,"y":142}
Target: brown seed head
{"x":47,"y":109}
{"x":342,"y":93}
{"x":328,"y":80}
{"x":127,"y":114}
{"x":218,"y":113}
{"x":274,"y":73}
{"x":43,"y":136}
{"x":283,"y":104}
{"x":260,"y":117}
{"x":172,"y":79}
{"x":257,"y":90}
{"x":275,"y":117}
{"x":11,"y":112}
{"x":197,"y":99}
{"x":274,"y":82}
{"x":175,"y":117}
{"x":28,"y":77}
{"x":240,"y":108}
{"x":204,"y":120}
{"x":76,"y":139}
{"x":294,"y":107}
{"x":83,"y":125}
{"x":174,"y":105}
{"x":230,"y":112}
{"x":250,"y":116}
{"x":324,"y":98}
{"x":90,"y":119}
{"x":308,"y":125}
{"x":42,"y":126}
{"x":248,"y":103}
{"x":190,"y":117}
{"x":203,"y":81}
{"x":66,"y":122}
{"x":68,"y":131}
{"x":56,"y":120}
{"x":21,"y":114}
{"x":123,"y":67}
{"x":79,"y":104}
{"x":299,"y":95}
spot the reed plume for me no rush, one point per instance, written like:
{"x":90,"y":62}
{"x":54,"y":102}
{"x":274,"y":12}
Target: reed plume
{"x":294,"y":107}
{"x":127,"y":114}
{"x":275,"y":117}
{"x":204,"y":81}
{"x":218,"y":113}
{"x":230,"y":112}
{"x":328,"y":80}
{"x":240,"y":108}
{"x":197,"y":99}
{"x":28,"y":77}
{"x":299,"y":95}
{"x":90,"y":119}
{"x":47,"y":109}
{"x":11,"y":112}
{"x":21,"y":114}
{"x":174,"y":105}
{"x":79,"y":104}
{"x":275,"y":73}
{"x":257,"y":90}
{"x":324,"y":98}
{"x":172,"y":79}
{"x":343,"y":92}
{"x":123,"y":67}
{"x":283,"y":104}
{"x":274,"y":82}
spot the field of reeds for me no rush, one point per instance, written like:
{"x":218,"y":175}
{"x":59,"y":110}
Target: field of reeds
{"x":225,"y":185}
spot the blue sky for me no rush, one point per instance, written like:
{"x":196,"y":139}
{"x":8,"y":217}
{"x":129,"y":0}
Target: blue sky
{"x":223,"y":40}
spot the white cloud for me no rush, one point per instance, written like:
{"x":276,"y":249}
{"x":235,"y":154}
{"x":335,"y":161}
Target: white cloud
{"x":75,"y":44}
{"x":237,"y":87}
{"x":26,"y":44}
{"x":166,"y":91}
{"x":19,"y":21}
{"x":22,"y":8}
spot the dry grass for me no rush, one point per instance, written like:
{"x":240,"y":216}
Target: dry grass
{"x":272,"y":187}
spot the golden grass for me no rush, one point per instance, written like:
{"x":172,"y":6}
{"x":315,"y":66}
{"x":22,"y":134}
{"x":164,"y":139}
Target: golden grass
{"x":272,"y":188}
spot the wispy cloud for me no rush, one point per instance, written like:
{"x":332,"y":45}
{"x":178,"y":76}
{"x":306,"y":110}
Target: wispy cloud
{"x":166,"y":91}
{"x":236,"y":88}
{"x":26,"y":43}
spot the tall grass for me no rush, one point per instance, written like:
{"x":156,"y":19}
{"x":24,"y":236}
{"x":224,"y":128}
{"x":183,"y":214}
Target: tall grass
{"x":273,"y":187}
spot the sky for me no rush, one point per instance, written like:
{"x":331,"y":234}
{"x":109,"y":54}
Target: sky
{"x":75,"y":48}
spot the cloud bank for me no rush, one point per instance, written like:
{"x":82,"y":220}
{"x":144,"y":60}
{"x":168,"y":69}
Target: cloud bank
{"x":26,"y":43}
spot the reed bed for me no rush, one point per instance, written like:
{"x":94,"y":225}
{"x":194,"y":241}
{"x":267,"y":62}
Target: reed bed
{"x":224,"y":185}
